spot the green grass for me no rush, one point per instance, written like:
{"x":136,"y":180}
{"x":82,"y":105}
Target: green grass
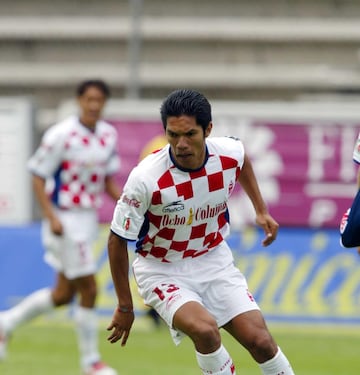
{"x":50,"y":348}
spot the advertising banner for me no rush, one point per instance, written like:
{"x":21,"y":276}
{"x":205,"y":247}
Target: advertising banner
{"x":304,"y":169}
{"x":304,"y":276}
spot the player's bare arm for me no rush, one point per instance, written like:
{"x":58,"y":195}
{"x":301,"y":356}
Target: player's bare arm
{"x":123,"y":317}
{"x":46,"y":205}
{"x":249,"y":183}
{"x":112,"y":188}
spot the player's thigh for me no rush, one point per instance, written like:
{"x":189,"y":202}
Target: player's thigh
{"x":192,"y":318}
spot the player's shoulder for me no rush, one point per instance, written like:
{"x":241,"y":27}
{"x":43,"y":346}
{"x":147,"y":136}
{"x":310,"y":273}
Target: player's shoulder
{"x":61,"y":128}
{"x":225,"y":144}
{"x":156,"y":159}
{"x":105,"y":126}
{"x":153,"y":164}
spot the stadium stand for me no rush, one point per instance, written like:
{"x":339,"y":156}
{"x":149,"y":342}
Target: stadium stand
{"x":264,"y":50}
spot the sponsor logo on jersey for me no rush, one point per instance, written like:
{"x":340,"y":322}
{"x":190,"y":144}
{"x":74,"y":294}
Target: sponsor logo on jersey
{"x":198,"y":214}
{"x":173,"y":207}
{"x":131,"y":202}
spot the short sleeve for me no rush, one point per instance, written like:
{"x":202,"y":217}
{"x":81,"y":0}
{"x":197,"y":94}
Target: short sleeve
{"x":129,"y":213}
{"x":47,"y":158}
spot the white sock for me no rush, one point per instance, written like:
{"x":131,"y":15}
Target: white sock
{"x":87,"y":331}
{"x":278,"y":365}
{"x":33,"y":305}
{"x":218,"y":362}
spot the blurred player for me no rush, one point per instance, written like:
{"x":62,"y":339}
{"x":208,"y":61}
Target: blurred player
{"x":78,"y":156}
{"x":350,"y":223}
{"x":175,"y":205}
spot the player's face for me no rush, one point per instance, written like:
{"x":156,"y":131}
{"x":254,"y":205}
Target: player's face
{"x":187,"y":141}
{"x":91,"y":104}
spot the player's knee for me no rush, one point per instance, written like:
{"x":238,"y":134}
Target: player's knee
{"x":263,"y":347}
{"x":205,"y":334}
{"x":61,"y":298}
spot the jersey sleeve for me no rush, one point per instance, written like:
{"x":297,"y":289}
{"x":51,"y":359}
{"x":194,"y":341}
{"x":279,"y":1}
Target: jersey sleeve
{"x":235,"y":148}
{"x":356,"y":152}
{"x":47,"y":158}
{"x":129,"y":213}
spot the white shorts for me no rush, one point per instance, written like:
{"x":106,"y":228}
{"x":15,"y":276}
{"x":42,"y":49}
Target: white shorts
{"x":211,"y":280}
{"x":72,"y":253}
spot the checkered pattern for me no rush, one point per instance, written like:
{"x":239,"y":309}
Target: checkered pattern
{"x":356,"y":153}
{"x":77,"y":160}
{"x":186,"y":214}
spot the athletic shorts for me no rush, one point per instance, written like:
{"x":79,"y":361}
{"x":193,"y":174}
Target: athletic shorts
{"x":211,"y":280}
{"x":72,"y":253}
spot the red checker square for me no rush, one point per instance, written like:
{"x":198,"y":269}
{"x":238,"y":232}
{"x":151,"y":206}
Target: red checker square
{"x":165,"y":180}
{"x":185,"y":190}
{"x":198,"y":231}
{"x":179,"y":245}
{"x":156,"y":198}
{"x":215,"y":181}
{"x":228,"y":163}
{"x":213,"y":239}
{"x":154,"y":219}
{"x":198,"y":174}
{"x":202,"y":252}
{"x":166,"y":233}
{"x":223,"y":219}
{"x":143,"y":253}
{"x":65,"y":164}
{"x":158,"y":252}
{"x":148,"y":239}
{"x":189,"y":253}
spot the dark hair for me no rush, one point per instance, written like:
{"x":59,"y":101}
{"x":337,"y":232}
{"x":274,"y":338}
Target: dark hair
{"x":189,"y":103}
{"x":98,"y":83}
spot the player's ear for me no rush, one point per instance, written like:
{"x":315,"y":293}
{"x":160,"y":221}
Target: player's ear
{"x":208,"y":129}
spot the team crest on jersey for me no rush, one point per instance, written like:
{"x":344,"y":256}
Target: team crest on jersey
{"x":126,"y":223}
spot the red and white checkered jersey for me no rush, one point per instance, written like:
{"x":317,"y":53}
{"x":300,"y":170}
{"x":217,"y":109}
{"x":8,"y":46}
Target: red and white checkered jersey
{"x":77,"y":161}
{"x":175,"y":213}
{"x":356,"y":153}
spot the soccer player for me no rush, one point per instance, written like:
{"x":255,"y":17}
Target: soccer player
{"x":350,"y":223}
{"x":174,"y":204}
{"x":77,"y":158}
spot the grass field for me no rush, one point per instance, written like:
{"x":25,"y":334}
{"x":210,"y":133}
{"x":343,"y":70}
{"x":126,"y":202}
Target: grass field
{"x":50,"y":348}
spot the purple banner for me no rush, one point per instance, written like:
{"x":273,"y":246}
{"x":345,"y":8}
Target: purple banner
{"x":317,"y":179}
{"x":305,"y":170}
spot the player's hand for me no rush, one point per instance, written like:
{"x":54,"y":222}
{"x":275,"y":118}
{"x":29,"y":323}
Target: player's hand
{"x":358,"y":250}
{"x":120,"y":326}
{"x":270,"y":227}
{"x":56,"y":226}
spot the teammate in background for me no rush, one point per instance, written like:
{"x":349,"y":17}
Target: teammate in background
{"x":175,"y":205}
{"x":78,"y":155}
{"x":350,"y":223}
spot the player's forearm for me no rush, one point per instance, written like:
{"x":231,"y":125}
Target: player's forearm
{"x":111,"y":188}
{"x":119,"y":266}
{"x":249,"y":183}
{"x":358,"y":178}
{"x":42,"y":197}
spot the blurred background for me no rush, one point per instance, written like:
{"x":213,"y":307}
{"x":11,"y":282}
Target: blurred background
{"x":282,"y":75}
